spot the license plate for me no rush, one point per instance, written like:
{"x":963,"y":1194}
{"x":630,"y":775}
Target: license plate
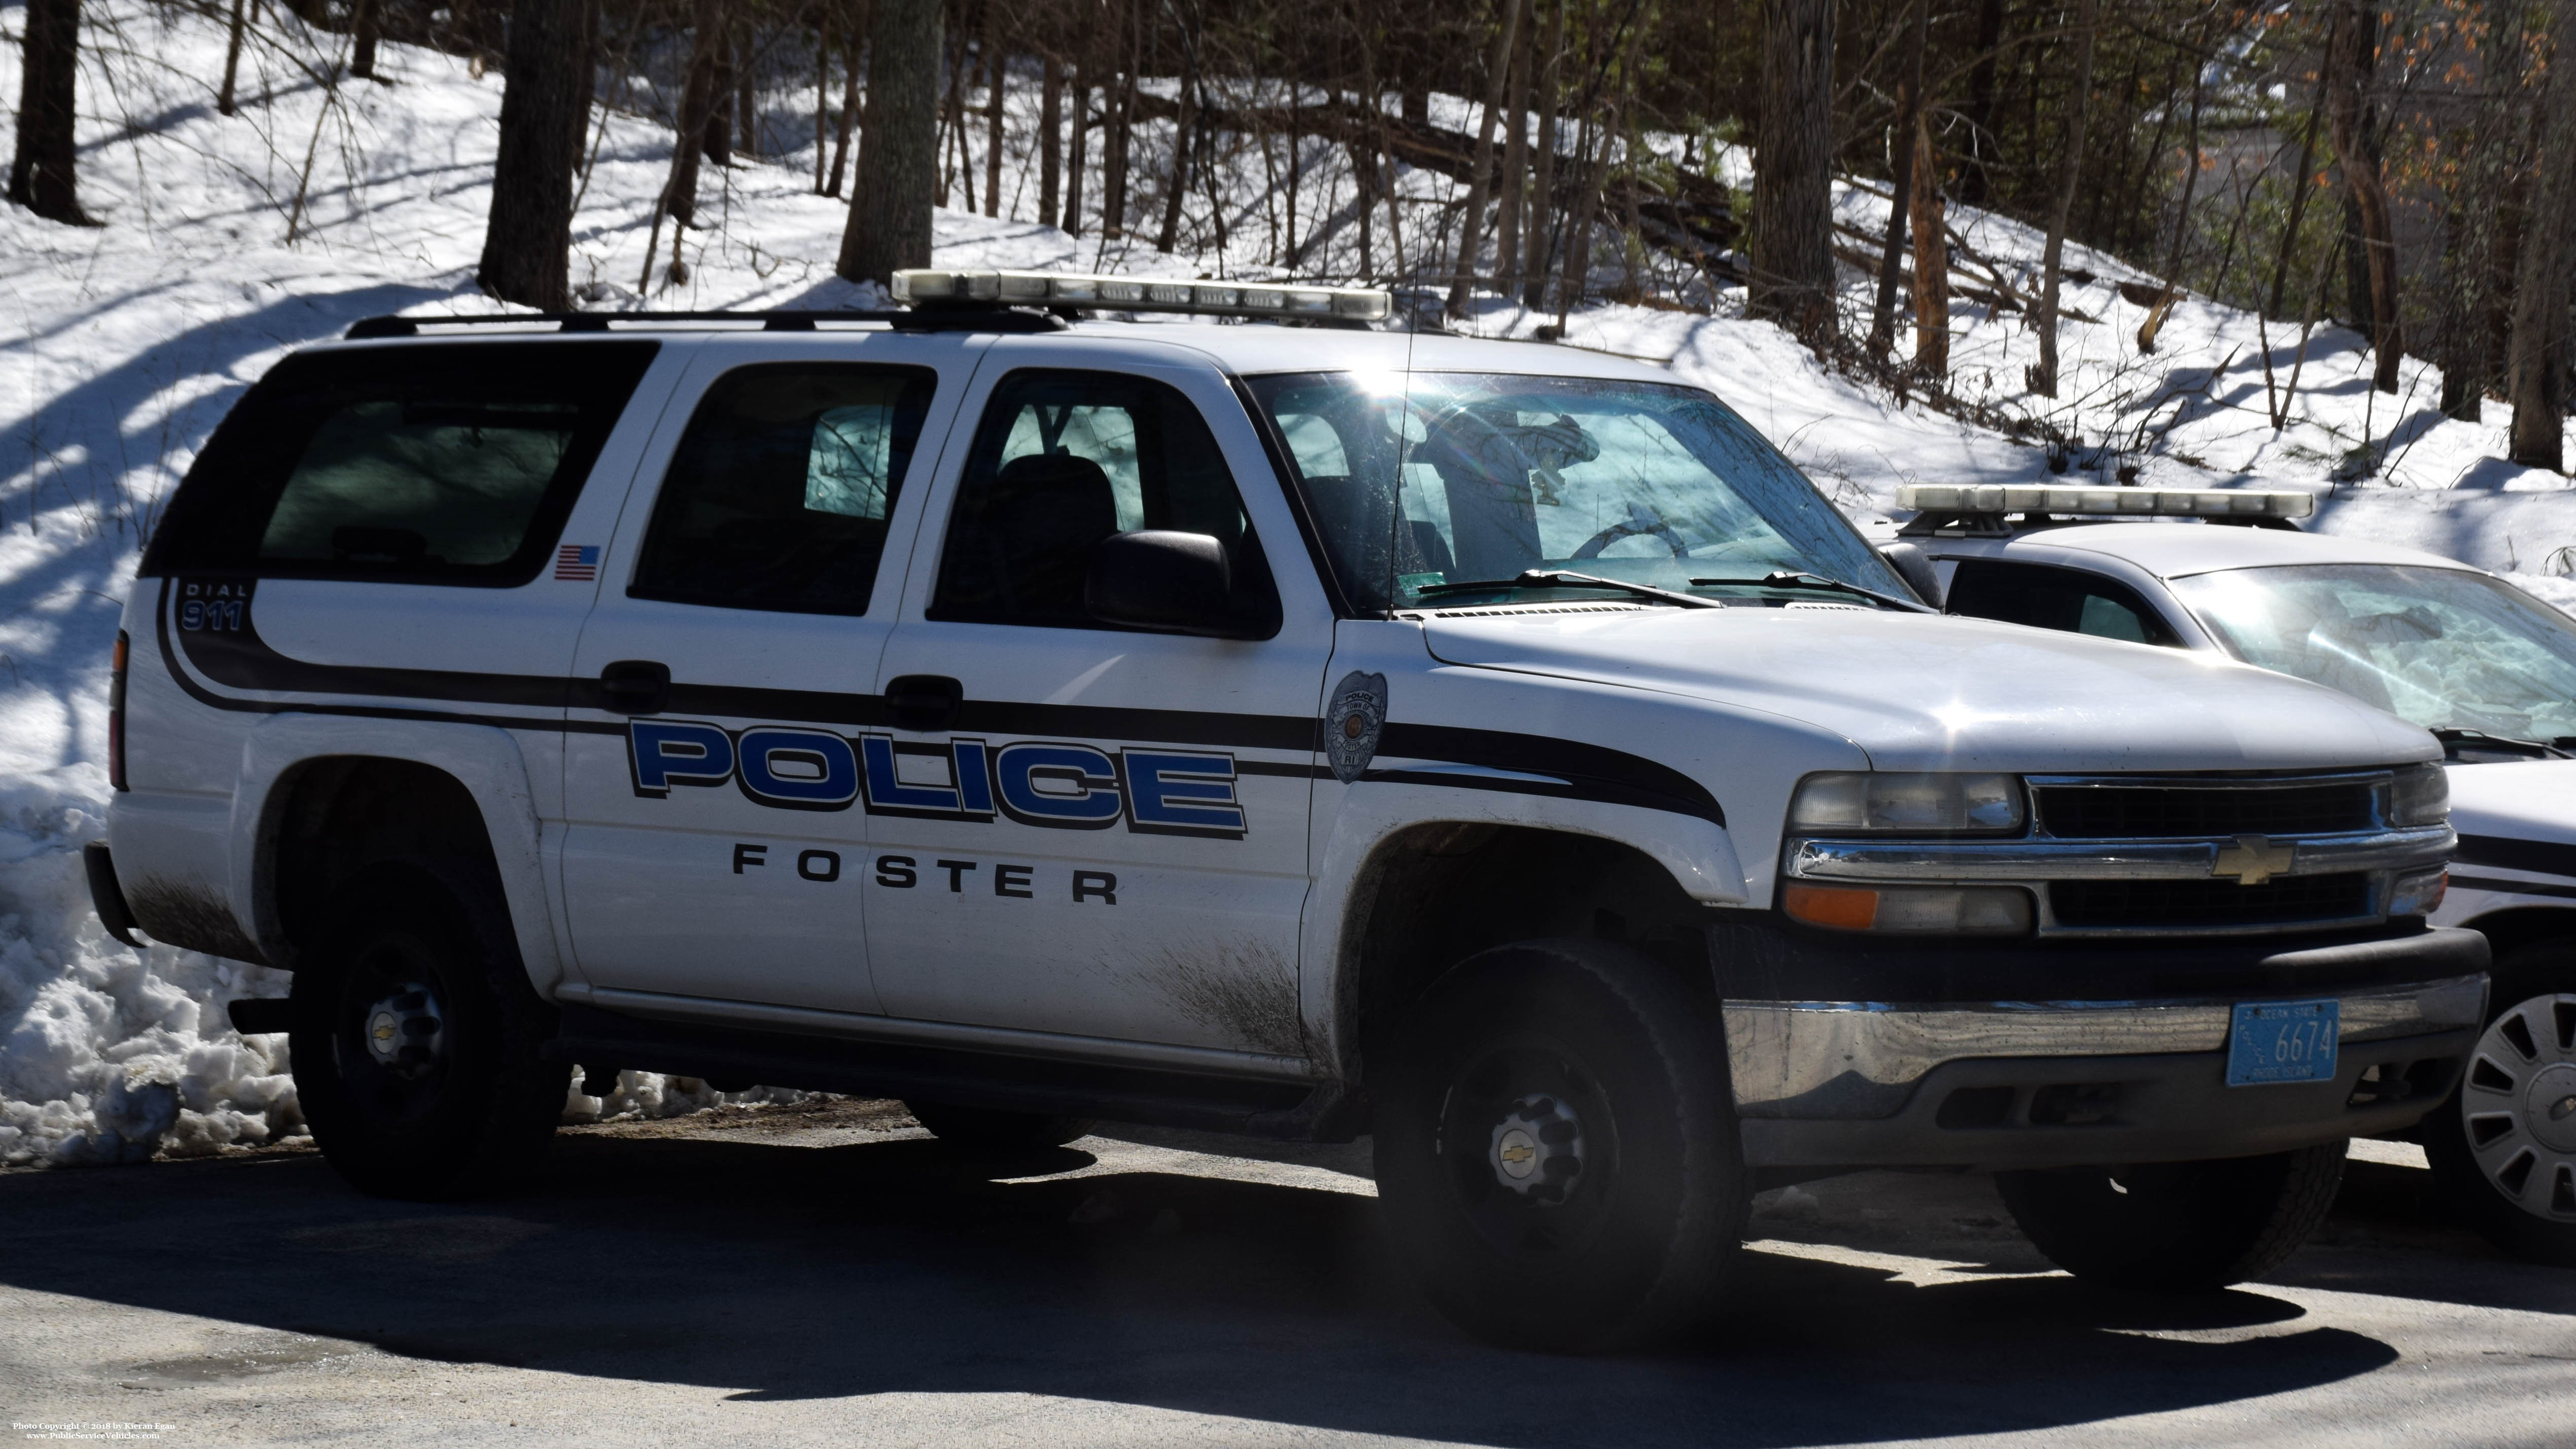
{"x":2283,"y":1041}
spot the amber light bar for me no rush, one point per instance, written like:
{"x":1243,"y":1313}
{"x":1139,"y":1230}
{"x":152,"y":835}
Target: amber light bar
{"x":1141,"y":294}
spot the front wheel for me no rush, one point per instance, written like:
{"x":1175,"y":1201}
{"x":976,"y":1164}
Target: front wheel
{"x":2182,"y":1227}
{"x":1556,"y":1149}
{"x":416,"y":1039}
{"x":2503,"y":1147}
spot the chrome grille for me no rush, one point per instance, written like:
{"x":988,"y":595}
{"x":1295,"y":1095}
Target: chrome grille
{"x":2101,"y":811}
{"x":2165,"y":905}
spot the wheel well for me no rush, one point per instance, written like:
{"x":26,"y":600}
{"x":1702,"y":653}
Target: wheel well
{"x":1433,"y":895}
{"x":331,"y":818}
{"x":2515,"y":927}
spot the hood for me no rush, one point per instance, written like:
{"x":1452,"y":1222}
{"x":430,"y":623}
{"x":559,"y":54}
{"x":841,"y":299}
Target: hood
{"x":1933,"y":692}
{"x":2516,"y":800}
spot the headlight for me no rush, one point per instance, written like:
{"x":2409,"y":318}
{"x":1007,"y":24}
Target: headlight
{"x":2420,"y":795}
{"x":1907,"y":804}
{"x":1911,"y":910}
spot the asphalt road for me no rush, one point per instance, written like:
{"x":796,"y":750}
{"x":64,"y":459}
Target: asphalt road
{"x":828,"y":1276}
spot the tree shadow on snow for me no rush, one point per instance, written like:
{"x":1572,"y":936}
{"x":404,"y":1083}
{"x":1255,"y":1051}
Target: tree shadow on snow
{"x":902,"y":1266}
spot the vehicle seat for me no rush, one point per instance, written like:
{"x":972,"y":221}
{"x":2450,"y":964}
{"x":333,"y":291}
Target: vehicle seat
{"x":1046,"y":512}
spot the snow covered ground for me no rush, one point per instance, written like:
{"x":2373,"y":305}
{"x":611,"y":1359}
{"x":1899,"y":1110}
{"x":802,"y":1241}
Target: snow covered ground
{"x":231,"y":240}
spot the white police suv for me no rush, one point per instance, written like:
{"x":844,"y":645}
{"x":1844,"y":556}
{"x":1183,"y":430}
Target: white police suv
{"x":2487,"y":668}
{"x":1301,"y":731}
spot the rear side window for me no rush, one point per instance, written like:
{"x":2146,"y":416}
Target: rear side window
{"x":451,"y":463}
{"x":1065,"y":459}
{"x":2070,"y":600}
{"x":780,"y":489}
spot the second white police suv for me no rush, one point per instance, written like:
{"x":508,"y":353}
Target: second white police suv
{"x":1308,"y":731}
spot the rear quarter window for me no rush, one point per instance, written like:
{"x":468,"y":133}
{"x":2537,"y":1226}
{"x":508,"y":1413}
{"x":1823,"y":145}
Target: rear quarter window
{"x":452,"y":463}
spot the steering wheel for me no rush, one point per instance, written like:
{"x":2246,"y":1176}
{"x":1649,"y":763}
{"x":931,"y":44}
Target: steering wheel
{"x":1633,"y":528}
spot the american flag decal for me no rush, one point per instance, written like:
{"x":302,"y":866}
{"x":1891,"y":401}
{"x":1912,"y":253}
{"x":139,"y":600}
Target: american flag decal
{"x":577,"y":562}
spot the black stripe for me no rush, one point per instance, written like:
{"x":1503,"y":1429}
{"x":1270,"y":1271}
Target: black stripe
{"x":1595,"y":772}
{"x":2546,"y":856}
{"x":1579,"y":771}
{"x":2512,"y":887}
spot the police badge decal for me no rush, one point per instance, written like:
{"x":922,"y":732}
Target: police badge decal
{"x":1352,"y":722}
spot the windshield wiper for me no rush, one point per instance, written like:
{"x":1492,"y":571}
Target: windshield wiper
{"x":1819,"y":583}
{"x":1562,"y":579}
{"x":2454,"y":739}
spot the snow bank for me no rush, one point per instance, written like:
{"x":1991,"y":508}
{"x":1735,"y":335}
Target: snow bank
{"x":231,"y":241}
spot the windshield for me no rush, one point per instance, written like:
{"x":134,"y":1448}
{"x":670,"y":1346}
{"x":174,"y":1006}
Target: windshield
{"x":1491,"y":475}
{"x":2443,"y":648}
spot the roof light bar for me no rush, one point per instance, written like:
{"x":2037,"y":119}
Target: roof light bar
{"x":2156,"y":502}
{"x":1141,"y":294}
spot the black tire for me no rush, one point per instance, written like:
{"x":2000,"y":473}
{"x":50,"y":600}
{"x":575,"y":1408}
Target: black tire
{"x":418,"y":957}
{"x":2503,"y":1144}
{"x":984,"y":1129}
{"x":2176,"y":1227}
{"x":1556,"y":1148}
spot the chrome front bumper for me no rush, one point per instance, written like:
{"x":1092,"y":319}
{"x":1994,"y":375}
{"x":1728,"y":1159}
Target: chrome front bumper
{"x":1868,"y":1083}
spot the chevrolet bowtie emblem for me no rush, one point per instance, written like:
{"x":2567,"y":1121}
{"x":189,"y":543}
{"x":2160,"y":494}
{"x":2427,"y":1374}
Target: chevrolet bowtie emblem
{"x":2253,"y":859}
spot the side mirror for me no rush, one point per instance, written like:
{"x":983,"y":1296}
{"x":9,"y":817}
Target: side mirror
{"x":1915,"y":567}
{"x":1176,"y":583}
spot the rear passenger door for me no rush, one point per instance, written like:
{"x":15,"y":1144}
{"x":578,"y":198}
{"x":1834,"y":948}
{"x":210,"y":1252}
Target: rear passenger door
{"x":1104,"y":837}
{"x":715,"y":837}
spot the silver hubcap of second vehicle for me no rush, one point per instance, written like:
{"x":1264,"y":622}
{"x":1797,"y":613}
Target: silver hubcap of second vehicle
{"x":1537,"y":1149}
{"x":404,"y":1030}
{"x":2519,"y":1105}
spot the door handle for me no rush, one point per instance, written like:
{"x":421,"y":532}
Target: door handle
{"x":923,"y":703}
{"x":635,"y":686}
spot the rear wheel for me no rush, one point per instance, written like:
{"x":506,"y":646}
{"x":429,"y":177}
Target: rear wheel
{"x":1556,"y":1149}
{"x":2503,"y":1148}
{"x":416,"y":1038}
{"x":2182,"y":1227}
{"x":987,"y":1130}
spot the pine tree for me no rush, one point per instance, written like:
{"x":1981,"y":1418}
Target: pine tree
{"x":898,"y":175}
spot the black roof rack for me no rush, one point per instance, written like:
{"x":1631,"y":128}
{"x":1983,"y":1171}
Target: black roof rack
{"x":996,"y":319}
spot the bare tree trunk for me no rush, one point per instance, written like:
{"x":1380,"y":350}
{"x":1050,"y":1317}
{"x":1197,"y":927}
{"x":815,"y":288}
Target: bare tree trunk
{"x":1536,"y":234}
{"x":2537,"y":371}
{"x":850,"y":45}
{"x":1931,"y":259}
{"x":1508,"y":197}
{"x":528,"y":240}
{"x":1909,"y":108}
{"x":1580,"y":222}
{"x":1119,"y":100}
{"x":365,"y":30}
{"x":2070,"y":170}
{"x":1498,"y":63}
{"x":232,"y":60}
{"x":2349,"y":59}
{"x":997,"y":72}
{"x":2173,"y":288}
{"x":2299,"y":189}
{"x":698,"y":97}
{"x":1793,"y":219}
{"x":746,"y":91}
{"x":1077,"y":154}
{"x":890,"y":200}
{"x":822,"y":88}
{"x":716,"y":138}
{"x":1050,"y":139}
{"x":1183,"y":128}
{"x":1978,"y":185}
{"x":41,"y":174}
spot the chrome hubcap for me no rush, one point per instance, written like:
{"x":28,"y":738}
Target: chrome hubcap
{"x":2518,"y":1106}
{"x":1537,"y":1149}
{"x":405,"y":1031}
